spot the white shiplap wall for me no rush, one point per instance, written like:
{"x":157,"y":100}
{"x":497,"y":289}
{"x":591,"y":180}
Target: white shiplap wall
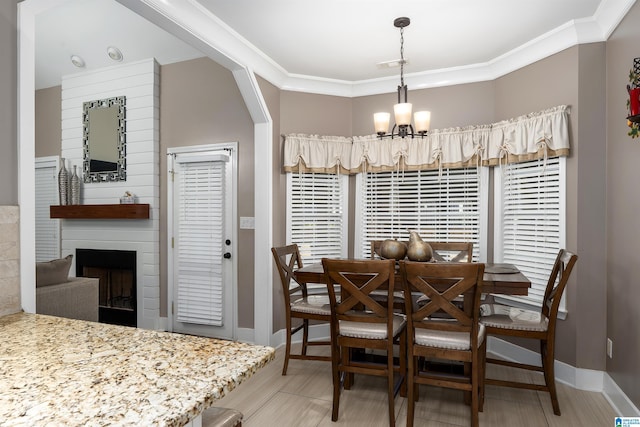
{"x":139,"y":82}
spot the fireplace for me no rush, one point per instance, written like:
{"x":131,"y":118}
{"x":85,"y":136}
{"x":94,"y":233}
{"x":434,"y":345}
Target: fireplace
{"x":117,"y":273}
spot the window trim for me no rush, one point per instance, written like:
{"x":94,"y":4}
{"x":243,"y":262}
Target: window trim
{"x":498,"y":241}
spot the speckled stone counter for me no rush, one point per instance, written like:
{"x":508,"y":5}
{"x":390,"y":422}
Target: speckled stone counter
{"x":62,"y":372}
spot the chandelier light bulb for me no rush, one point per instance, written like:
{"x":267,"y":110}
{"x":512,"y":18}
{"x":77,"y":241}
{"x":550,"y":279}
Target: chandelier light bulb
{"x":381,"y":122}
{"x":402,"y":113}
{"x":422,"y":120}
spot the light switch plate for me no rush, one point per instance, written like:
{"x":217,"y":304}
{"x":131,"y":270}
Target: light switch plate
{"x":247,"y":222}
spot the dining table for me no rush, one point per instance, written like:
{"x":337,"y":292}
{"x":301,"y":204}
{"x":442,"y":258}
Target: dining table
{"x":499,"y":278}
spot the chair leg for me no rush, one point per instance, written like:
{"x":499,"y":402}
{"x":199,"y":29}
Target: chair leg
{"x":547,"y":353}
{"x":411,"y":390}
{"x":403,"y":364}
{"x":347,"y":355}
{"x":482,"y":367}
{"x":475,"y":389}
{"x":305,"y":336}
{"x":391,"y":386}
{"x":335,"y":373}
{"x":287,"y":350}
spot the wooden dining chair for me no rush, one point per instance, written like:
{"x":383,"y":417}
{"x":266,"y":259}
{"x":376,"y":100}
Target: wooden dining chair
{"x":452,"y":251}
{"x":299,"y":304}
{"x":540,"y":325}
{"x":459,"y":338}
{"x":360,"y":322}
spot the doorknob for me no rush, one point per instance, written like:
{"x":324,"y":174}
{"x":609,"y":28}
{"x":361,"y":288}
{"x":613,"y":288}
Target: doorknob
{"x":227,"y":255}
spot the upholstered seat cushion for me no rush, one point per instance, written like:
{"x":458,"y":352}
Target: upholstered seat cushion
{"x":313,"y":304}
{"x":447,"y":339}
{"x":504,"y":317}
{"x":376,"y":331}
{"x":381,"y":296}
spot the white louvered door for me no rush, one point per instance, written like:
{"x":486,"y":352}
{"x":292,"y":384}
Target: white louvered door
{"x":46,"y":194}
{"x":202,"y":267}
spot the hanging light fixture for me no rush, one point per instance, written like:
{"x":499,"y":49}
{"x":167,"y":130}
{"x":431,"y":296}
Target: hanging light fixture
{"x":402,"y":110}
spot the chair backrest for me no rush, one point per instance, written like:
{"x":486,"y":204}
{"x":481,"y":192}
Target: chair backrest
{"x":357,"y":280}
{"x":287,"y":260}
{"x":441,"y":283}
{"x":452,"y":251}
{"x":557,"y":282}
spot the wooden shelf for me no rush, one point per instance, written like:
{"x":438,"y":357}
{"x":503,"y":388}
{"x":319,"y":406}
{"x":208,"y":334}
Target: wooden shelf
{"x":120,"y":211}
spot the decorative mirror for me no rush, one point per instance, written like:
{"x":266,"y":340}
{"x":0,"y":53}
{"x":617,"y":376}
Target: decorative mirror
{"x":104,"y":140}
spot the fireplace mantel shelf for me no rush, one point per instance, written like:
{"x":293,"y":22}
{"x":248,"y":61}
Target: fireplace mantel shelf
{"x":115,"y":211}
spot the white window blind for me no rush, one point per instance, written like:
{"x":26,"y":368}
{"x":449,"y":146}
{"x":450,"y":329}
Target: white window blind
{"x":530,"y":225}
{"x":46,"y":194}
{"x":446,"y":209}
{"x":200,"y":241}
{"x":317,"y":214}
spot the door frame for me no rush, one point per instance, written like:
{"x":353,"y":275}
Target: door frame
{"x":194,"y":149}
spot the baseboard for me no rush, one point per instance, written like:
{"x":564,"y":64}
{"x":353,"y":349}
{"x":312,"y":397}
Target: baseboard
{"x":622,"y":405}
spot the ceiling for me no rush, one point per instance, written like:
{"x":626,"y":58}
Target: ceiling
{"x":336,"y":41}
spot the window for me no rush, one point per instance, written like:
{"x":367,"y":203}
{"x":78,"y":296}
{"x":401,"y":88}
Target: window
{"x":449,"y":208}
{"x":317,"y":214}
{"x":530,"y":220}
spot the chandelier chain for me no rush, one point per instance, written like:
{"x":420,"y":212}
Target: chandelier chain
{"x":401,"y":56}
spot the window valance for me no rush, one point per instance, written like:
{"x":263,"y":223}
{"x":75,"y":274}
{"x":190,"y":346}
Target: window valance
{"x":532,"y":136}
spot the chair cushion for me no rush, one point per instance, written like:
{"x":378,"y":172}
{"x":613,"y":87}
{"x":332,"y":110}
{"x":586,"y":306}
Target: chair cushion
{"x":447,"y":339}
{"x":313,"y":304}
{"x":381,"y":296}
{"x":53,"y":272}
{"x":372,"y":331}
{"x":505,"y":317}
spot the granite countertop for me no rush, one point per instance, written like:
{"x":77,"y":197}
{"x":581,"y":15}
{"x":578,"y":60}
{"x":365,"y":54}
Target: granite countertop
{"x":56,"y":371}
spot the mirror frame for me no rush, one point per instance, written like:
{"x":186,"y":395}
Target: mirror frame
{"x":120,"y":174}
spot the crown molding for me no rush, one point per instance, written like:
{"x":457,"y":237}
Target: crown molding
{"x":230,"y":49}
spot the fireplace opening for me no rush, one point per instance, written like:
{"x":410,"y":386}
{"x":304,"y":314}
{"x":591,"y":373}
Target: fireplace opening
{"x":116,"y":271}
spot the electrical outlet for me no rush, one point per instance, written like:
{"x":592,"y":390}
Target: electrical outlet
{"x":609,"y":348}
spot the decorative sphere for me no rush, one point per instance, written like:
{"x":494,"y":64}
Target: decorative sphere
{"x":393,"y":249}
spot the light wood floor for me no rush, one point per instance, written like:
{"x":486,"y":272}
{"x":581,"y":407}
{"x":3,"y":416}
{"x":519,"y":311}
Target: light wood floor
{"x":303,"y":398}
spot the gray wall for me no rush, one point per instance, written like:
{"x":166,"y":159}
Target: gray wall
{"x":8,"y":103}
{"x":48,"y":121}
{"x":622,"y":213}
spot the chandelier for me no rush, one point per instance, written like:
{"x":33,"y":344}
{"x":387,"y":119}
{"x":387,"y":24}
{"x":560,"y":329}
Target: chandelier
{"x":402,"y":110}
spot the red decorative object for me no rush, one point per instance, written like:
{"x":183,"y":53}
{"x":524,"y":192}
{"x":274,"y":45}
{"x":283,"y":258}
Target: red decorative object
{"x":634,"y":101}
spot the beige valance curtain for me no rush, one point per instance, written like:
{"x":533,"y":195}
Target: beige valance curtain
{"x":533,"y":136}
